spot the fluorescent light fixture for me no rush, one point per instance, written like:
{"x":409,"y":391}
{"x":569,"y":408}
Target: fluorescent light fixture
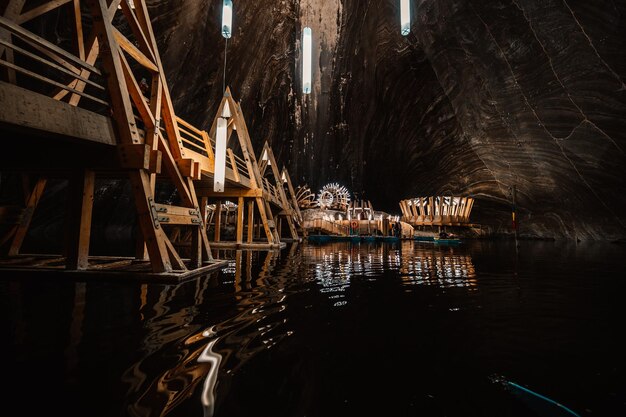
{"x":405,"y":17}
{"x":307,"y":53}
{"x":226,"y":110}
{"x":227,"y":19}
{"x":220,"y":155}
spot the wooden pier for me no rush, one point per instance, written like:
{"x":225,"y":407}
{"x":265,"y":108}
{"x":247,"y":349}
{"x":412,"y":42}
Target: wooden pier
{"x":100,"y":106}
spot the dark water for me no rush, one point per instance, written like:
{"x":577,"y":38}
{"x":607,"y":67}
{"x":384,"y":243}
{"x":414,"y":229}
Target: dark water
{"x":406,"y":329}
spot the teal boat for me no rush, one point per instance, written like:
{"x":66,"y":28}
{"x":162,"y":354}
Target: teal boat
{"x":423,"y":238}
{"x":447,"y":241}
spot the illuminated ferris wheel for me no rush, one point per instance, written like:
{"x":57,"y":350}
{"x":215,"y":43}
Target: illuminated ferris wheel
{"x":334,"y":196}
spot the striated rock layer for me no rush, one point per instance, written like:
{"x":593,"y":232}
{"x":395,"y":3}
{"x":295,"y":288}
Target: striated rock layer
{"x":480,"y":97}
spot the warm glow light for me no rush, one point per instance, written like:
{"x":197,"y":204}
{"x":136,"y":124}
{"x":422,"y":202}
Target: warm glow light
{"x":227,"y":19}
{"x":284,"y":177}
{"x":307,"y":53}
{"x":220,"y":155}
{"x":405,"y":17}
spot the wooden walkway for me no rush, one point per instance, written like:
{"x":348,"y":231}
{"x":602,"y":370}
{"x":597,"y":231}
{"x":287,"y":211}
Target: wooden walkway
{"x":102,"y":107}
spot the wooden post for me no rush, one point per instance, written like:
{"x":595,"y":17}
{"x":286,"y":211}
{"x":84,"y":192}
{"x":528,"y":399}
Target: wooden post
{"x":240,"y":206}
{"x":250,"y":221}
{"x":22,"y":228}
{"x":78,"y":222}
{"x":218,"y":220}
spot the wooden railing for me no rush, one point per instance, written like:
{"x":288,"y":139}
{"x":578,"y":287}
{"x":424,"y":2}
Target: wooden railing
{"x":47,"y":65}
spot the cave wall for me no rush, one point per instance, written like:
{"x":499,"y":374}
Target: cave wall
{"x":480,"y":97}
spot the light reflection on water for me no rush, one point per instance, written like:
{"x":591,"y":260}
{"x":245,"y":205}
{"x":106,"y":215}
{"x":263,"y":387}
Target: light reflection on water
{"x":294,"y":328}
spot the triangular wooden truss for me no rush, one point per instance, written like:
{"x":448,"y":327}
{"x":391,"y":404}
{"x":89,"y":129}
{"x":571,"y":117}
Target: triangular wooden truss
{"x":269,"y":161}
{"x":245,"y":181}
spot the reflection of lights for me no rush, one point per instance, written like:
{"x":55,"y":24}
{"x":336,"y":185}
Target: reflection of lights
{"x":336,"y":264}
{"x":208,"y":391}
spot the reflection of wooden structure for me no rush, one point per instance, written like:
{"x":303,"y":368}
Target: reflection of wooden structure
{"x":86,"y":113}
{"x":437,"y":211}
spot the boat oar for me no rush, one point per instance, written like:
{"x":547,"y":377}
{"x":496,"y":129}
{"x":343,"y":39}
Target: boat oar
{"x":540,"y":404}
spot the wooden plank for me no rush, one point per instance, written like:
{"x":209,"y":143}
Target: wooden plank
{"x":172,"y":167}
{"x":240,"y":220}
{"x":233,"y":163}
{"x":218,"y":220}
{"x":136,"y":95}
{"x":39,"y":10}
{"x":26,"y":109}
{"x":133,"y":51}
{"x":80,"y":199}
{"x":204,"y":240}
{"x":250,"y":221}
{"x":230,"y":192}
{"x":78,"y":22}
{"x":265,"y":217}
{"x":142,"y":42}
{"x":176,"y":261}
{"x":27,"y":216}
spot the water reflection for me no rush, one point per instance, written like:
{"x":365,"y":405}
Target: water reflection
{"x":289,"y":332}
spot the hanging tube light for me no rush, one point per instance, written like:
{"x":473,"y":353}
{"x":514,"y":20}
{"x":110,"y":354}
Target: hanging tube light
{"x":220,"y":155}
{"x":227,"y":19}
{"x":405,"y":17}
{"x":307,"y":52}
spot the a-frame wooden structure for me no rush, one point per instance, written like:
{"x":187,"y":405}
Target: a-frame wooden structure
{"x":249,"y":189}
{"x":286,"y":213}
{"x":146,"y":130}
{"x":293,"y":199}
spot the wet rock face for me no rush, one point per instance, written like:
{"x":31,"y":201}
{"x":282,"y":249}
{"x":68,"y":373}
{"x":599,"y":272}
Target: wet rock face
{"x":480,"y":97}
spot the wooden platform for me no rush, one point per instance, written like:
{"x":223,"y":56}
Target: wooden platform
{"x":100,"y":267}
{"x":252,"y":246}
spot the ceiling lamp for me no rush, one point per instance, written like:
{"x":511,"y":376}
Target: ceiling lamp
{"x":227,"y":19}
{"x":307,"y":52}
{"x":405,"y":17}
{"x":220,"y":155}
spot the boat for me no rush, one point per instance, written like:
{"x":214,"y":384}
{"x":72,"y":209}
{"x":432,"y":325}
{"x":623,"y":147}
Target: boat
{"x":446,"y":241}
{"x":423,"y":238}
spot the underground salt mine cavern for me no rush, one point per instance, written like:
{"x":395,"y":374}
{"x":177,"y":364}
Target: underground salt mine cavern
{"x":261,"y":208}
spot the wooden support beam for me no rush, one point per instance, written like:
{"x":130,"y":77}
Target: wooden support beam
{"x":78,"y":221}
{"x":240,"y":220}
{"x":134,"y":52}
{"x":204,"y":240}
{"x":177,"y":263}
{"x":230,"y":193}
{"x":156,"y":240}
{"x":27,"y":217}
{"x":39,"y":10}
{"x":250,"y":221}
{"x":218,"y":220}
